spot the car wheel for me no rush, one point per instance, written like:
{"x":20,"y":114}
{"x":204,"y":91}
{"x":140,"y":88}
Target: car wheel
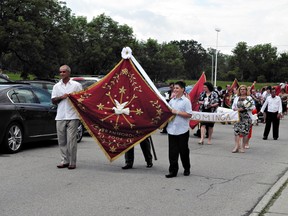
{"x":79,"y":133}
{"x":13,"y":138}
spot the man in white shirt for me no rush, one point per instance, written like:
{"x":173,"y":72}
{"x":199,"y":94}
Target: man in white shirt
{"x":274,"y":113}
{"x":67,"y":120}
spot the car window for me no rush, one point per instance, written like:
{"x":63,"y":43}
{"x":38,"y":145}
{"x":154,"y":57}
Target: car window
{"x":39,"y":85}
{"x":43,"y":96}
{"x":50,"y":87}
{"x":22,"y":96}
{"x":3,"y":80}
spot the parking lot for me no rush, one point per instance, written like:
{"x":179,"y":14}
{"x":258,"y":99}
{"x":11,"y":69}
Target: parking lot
{"x":221,"y":183}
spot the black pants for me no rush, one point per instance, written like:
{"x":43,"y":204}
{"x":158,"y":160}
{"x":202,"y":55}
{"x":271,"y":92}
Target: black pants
{"x":146,"y":149}
{"x":178,"y":145}
{"x":272,"y":118}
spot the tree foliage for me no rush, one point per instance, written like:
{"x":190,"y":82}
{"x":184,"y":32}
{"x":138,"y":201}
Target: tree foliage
{"x":38,"y":36}
{"x":34,"y":35}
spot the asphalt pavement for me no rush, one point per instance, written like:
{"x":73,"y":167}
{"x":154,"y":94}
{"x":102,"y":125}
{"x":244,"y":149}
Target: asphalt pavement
{"x":275,"y":201}
{"x":221,"y":183}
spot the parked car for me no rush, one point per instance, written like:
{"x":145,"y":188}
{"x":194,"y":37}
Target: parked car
{"x":189,"y":88}
{"x":86,"y":81}
{"x":54,"y":80}
{"x":27,"y":115}
{"x":164,"y":90}
{"x":3,"y":78}
{"x":46,"y":85}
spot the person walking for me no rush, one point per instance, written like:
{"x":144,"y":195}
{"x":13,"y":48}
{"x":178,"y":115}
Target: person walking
{"x":146,"y":149}
{"x":67,"y":120}
{"x":208,"y":101}
{"x":264,"y":96}
{"x":273,"y":105}
{"x":178,"y":131}
{"x":244,"y":104}
{"x":226,"y":96}
{"x":284,"y":99}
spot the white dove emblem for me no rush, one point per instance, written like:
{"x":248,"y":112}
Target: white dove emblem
{"x":119,"y":109}
{"x":166,"y":95}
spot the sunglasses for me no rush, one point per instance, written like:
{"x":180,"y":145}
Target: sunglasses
{"x":62,"y":71}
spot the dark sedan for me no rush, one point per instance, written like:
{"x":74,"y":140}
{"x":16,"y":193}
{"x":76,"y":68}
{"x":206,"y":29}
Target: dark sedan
{"x":46,"y":85}
{"x":26,"y":114}
{"x":4,"y":79}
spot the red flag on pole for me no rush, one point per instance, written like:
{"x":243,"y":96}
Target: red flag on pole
{"x":277,"y":89}
{"x":194,"y":97}
{"x":253,"y":86}
{"x":228,"y":96}
{"x":234,"y":85}
{"x":121,"y":110}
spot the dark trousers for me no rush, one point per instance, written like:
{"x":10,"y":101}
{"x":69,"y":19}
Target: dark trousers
{"x":272,"y":118}
{"x":178,"y":145}
{"x":146,"y":149}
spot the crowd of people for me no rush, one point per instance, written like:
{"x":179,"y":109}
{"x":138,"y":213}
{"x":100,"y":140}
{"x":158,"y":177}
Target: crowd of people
{"x":246,"y":100}
{"x":269,"y":105}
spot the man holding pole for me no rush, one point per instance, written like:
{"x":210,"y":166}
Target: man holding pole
{"x":146,"y":149}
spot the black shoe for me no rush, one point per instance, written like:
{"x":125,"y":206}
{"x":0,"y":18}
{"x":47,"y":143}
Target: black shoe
{"x":171,"y":175}
{"x":149,"y":165}
{"x":72,"y":167}
{"x":275,"y":138}
{"x":127,"y":166}
{"x":264,"y":138}
{"x":186,"y":172}
{"x":60,"y":166}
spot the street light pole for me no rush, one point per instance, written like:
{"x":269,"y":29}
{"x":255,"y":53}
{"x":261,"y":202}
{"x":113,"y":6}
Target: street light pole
{"x":217,"y":30}
{"x":212,"y":56}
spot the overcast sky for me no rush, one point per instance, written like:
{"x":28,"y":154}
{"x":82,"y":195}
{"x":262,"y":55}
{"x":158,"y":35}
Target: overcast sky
{"x":252,"y":21}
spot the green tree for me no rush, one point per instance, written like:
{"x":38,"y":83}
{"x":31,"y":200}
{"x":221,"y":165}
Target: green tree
{"x":149,"y":58}
{"x":240,"y":60}
{"x":282,"y":67}
{"x":194,"y":56}
{"x":173,"y":62}
{"x":160,"y":61}
{"x":223,"y":67}
{"x":263,"y":59}
{"x":33,"y":35}
{"x":102,"y":41}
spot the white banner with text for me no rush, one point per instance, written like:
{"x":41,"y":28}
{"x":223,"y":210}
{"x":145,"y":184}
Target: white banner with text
{"x":222,"y":115}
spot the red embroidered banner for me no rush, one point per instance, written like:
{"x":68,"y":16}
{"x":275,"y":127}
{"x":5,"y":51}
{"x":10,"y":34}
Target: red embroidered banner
{"x":120,"y":110}
{"x":194,"y":97}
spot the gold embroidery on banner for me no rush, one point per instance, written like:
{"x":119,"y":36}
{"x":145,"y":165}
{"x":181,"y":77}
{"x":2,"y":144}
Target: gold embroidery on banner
{"x":159,"y":112}
{"x":100,"y":106}
{"x":112,"y":141}
{"x":125,"y":71}
{"x":112,"y":149}
{"x":116,"y":102}
{"x":115,"y":79}
{"x":122,"y":92}
{"x":81,"y":106}
{"x":81,"y":99}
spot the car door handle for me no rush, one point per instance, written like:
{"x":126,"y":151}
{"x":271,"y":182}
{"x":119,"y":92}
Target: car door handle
{"x":23,"y":109}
